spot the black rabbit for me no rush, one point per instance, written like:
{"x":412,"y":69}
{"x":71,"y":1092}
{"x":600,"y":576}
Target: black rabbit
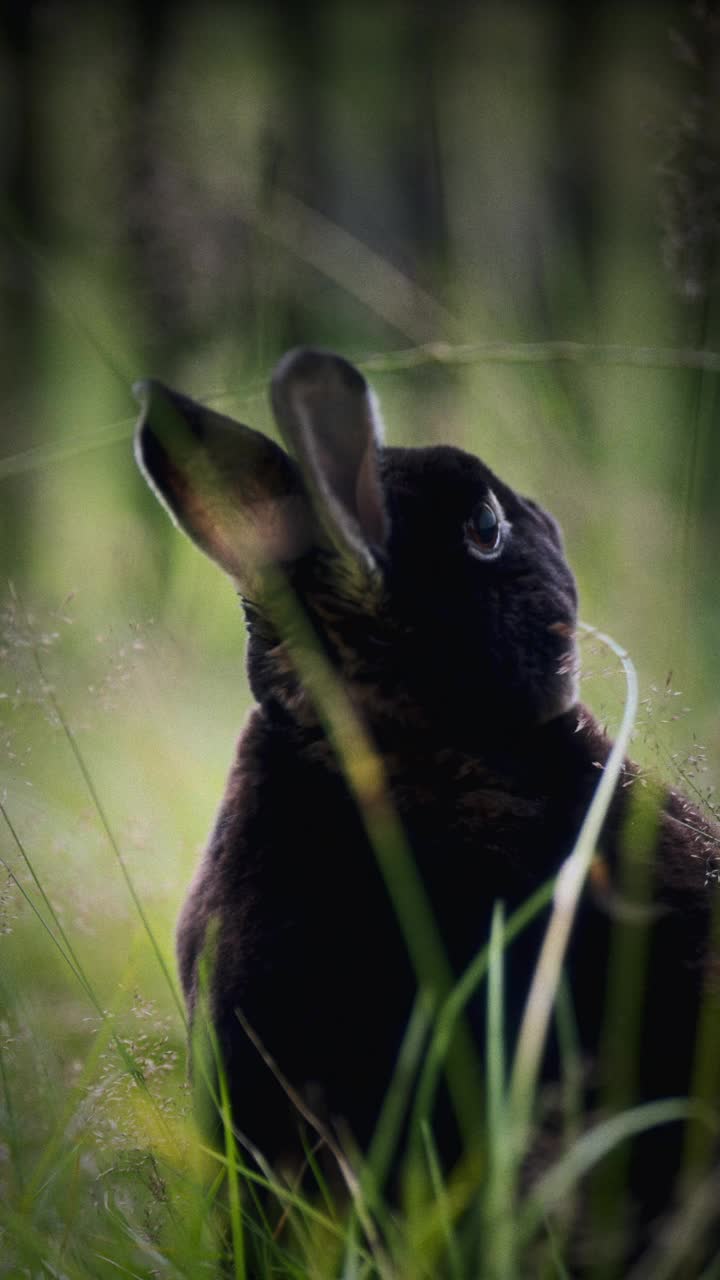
{"x":444,"y":604}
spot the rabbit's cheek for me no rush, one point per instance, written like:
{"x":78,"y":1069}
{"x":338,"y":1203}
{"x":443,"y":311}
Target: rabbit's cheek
{"x":566,"y":668}
{"x":542,"y":663}
{"x":568,"y":672}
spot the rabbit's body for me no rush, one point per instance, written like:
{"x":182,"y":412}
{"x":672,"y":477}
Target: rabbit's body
{"x":309,"y":947}
{"x":446,"y":608}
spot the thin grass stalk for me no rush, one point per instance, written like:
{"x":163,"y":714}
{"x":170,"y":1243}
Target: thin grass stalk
{"x":498,"y":1249}
{"x":430,"y":353}
{"x":124,"y":1271}
{"x":673,"y":1255}
{"x":44,"y":924}
{"x":620,"y":1045}
{"x":560,"y":351}
{"x":571,"y":1077}
{"x":558,"y":1182}
{"x":388,"y":1129}
{"x":12,"y":1129}
{"x":21,"y":1231}
{"x":231,"y":1152}
{"x":100,"y":810}
{"x":352,"y":1182}
{"x":568,"y":888}
{"x":69,"y":955}
{"x":495,"y":1037}
{"x":699,"y":1147}
{"x":364,"y":773}
{"x":71,"y":959}
{"x":215,"y":1080}
{"x":571,"y":1066}
{"x":206,"y":1056}
{"x":38,"y":261}
{"x":454,"y":1257}
{"x":351,"y":1263}
{"x":286,"y":1194}
{"x":460,"y":996}
{"x":318,"y":1176}
{"x":47,"y":1160}
{"x":556,"y":1268}
{"x":713,"y":1271}
{"x":72,"y":1203}
{"x":301,"y":1229}
{"x":200,"y":1230}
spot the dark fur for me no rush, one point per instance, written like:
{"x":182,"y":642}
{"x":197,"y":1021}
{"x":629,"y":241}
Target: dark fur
{"x":463,"y":672}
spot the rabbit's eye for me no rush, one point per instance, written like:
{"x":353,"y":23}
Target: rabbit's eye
{"x":483,"y":530}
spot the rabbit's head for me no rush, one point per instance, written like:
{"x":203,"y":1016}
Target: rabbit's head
{"x":439,"y":593}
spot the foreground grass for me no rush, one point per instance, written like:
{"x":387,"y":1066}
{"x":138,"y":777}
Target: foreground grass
{"x":103,"y":1172}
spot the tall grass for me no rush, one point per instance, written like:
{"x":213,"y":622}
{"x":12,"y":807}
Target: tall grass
{"x":171,"y":228}
{"x":104,"y":1172}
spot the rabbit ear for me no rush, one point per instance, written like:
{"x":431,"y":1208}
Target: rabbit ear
{"x":329,"y":421}
{"x":234,"y":492}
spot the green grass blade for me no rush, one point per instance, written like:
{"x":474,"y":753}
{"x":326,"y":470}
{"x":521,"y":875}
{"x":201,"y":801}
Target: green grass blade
{"x":454,"y":1257}
{"x":568,"y":888}
{"x":498,"y":1195}
{"x":388,"y":1129}
{"x":364,"y":772}
{"x":461,"y":994}
{"x":495,"y":1039}
{"x":552,"y":1188}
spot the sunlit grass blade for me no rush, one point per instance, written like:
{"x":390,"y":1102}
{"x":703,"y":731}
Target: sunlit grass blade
{"x":568,"y":888}
{"x":559,"y":351}
{"x":498,"y":1133}
{"x":620,"y":1053}
{"x":345,"y":259}
{"x":495,"y":1040}
{"x":571,"y":1064}
{"x":364,"y":772}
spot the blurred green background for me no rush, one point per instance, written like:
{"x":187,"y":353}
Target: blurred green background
{"x":189,"y":190}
